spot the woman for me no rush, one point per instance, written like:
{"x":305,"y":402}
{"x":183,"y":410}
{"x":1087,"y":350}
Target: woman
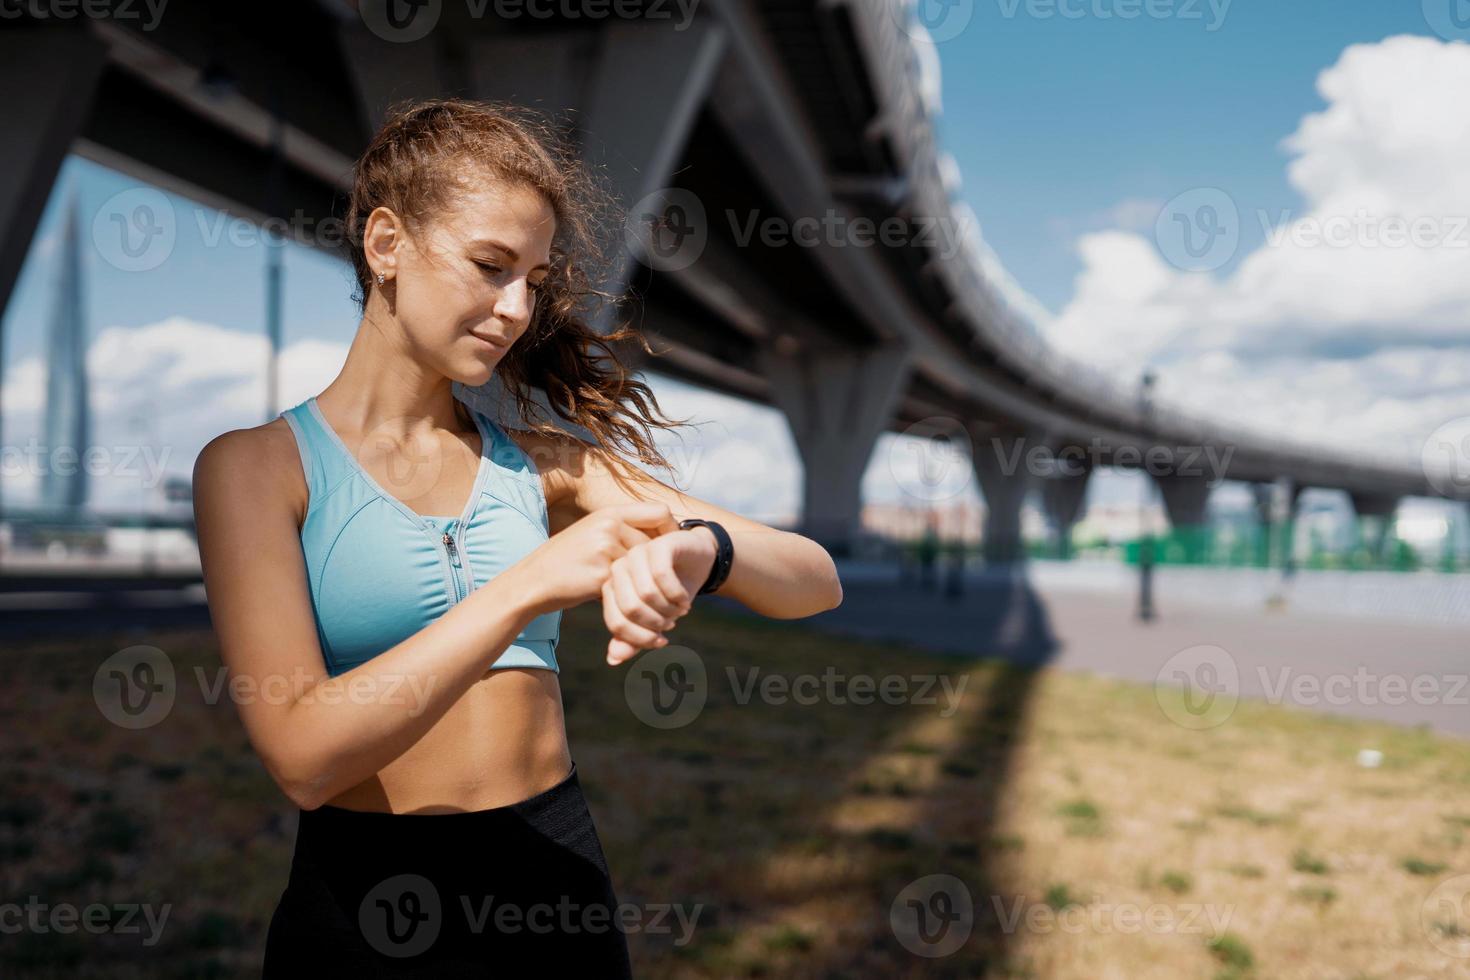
{"x":398,"y":563}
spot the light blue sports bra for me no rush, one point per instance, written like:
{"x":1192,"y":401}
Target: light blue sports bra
{"x":379,"y":572}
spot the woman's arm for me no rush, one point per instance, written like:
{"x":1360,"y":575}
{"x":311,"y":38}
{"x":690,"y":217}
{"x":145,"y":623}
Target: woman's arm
{"x":776,"y":573}
{"x":319,"y":735}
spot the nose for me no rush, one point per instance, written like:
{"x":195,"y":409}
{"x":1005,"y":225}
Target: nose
{"x":515,"y":302}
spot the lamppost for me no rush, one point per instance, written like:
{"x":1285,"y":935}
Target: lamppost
{"x":1145,"y":537}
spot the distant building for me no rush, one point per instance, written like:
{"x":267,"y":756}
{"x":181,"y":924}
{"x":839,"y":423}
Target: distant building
{"x":68,"y":427}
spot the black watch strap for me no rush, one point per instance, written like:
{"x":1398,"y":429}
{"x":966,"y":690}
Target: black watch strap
{"x":724,"y":553}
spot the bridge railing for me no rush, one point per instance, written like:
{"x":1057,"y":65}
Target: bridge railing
{"x":993,"y":302}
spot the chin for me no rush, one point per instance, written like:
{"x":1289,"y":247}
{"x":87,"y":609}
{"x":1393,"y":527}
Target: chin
{"x":473,"y":377}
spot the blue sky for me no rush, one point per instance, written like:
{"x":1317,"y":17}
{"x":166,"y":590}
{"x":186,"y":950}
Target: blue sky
{"x":210,"y":274}
{"x":1070,"y":133}
{"x":1053,"y":120}
{"x":1056,"y":119}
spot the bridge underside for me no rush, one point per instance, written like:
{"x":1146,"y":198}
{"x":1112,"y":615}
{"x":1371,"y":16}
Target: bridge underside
{"x":755,"y":111}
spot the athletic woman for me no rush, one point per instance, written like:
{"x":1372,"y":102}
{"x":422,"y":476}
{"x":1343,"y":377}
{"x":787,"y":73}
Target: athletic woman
{"x":386,"y":569}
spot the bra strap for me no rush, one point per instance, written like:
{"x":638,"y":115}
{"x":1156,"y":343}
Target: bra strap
{"x":321,"y":456}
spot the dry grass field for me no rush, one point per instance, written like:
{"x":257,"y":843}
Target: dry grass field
{"x":1083,"y":833}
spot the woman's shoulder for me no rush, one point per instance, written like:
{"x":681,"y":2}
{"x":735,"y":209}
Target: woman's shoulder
{"x":255,"y":460}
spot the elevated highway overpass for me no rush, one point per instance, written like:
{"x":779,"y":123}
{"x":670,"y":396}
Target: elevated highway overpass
{"x":733,"y":118}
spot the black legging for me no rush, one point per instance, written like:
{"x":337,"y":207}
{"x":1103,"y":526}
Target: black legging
{"x":486,"y":893}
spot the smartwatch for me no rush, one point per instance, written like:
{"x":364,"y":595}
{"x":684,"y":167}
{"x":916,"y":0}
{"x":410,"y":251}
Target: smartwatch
{"x":724,"y":553}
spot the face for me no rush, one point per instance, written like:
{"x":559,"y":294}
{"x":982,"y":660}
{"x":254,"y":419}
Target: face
{"x":465,"y":289}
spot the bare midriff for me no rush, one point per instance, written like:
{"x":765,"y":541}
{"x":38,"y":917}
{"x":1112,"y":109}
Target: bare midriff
{"x":502,"y":742}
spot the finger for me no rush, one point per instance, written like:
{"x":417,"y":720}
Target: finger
{"x":633,"y":608}
{"x":651,"y":514}
{"x":639,"y":567}
{"x":621,"y":626}
{"x":661,"y":570}
{"x":619,"y":651}
{"x":631,"y":537}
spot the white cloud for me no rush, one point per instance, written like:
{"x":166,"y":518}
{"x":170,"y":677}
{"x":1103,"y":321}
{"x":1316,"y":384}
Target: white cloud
{"x":174,"y":385}
{"x":170,"y":387}
{"x":1327,"y":330}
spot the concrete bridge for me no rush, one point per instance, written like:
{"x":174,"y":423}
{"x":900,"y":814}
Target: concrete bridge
{"x":868,"y":305}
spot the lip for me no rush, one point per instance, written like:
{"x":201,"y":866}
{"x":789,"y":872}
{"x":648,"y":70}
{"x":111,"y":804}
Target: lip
{"x":491,"y":343}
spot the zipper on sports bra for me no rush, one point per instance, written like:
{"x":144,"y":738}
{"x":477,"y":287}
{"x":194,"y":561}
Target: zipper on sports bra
{"x":452,"y":551}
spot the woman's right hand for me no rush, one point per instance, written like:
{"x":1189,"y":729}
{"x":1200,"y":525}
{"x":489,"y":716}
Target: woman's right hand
{"x":571,"y":566}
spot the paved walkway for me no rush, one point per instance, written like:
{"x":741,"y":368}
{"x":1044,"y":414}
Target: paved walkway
{"x":1367,"y":667}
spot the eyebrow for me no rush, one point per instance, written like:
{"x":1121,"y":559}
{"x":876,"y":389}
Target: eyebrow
{"x":514,"y":255}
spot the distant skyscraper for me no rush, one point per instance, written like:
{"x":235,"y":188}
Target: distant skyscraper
{"x":64,"y":482}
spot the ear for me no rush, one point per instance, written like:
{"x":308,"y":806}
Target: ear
{"x":381,"y":235}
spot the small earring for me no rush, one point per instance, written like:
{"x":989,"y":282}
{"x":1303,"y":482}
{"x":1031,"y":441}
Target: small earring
{"x":380,"y":279}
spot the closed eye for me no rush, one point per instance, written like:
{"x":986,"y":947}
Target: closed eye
{"x":495,"y":269}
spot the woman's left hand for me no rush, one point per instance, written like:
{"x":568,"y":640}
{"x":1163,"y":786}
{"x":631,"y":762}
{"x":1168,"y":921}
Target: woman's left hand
{"x":651,"y":586}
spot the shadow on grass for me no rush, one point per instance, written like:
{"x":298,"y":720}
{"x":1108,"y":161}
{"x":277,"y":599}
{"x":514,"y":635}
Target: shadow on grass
{"x":798,"y":826}
{"x":784,"y":829}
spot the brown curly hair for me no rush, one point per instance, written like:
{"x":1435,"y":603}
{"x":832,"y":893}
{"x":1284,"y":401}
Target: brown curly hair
{"x":425,"y":150}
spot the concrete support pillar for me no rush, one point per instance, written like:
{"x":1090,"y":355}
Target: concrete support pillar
{"x":1289,"y":513}
{"x":1004,"y":475}
{"x":837,"y":402}
{"x":1376,"y":510}
{"x":384,"y":72}
{"x":1276,"y":510}
{"x":1062,"y":496}
{"x":1186,"y":499}
{"x":49,"y":74}
{"x":629,"y":94}
{"x":632,"y":99}
{"x":1265,"y":494}
{"x":1466,"y":536}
